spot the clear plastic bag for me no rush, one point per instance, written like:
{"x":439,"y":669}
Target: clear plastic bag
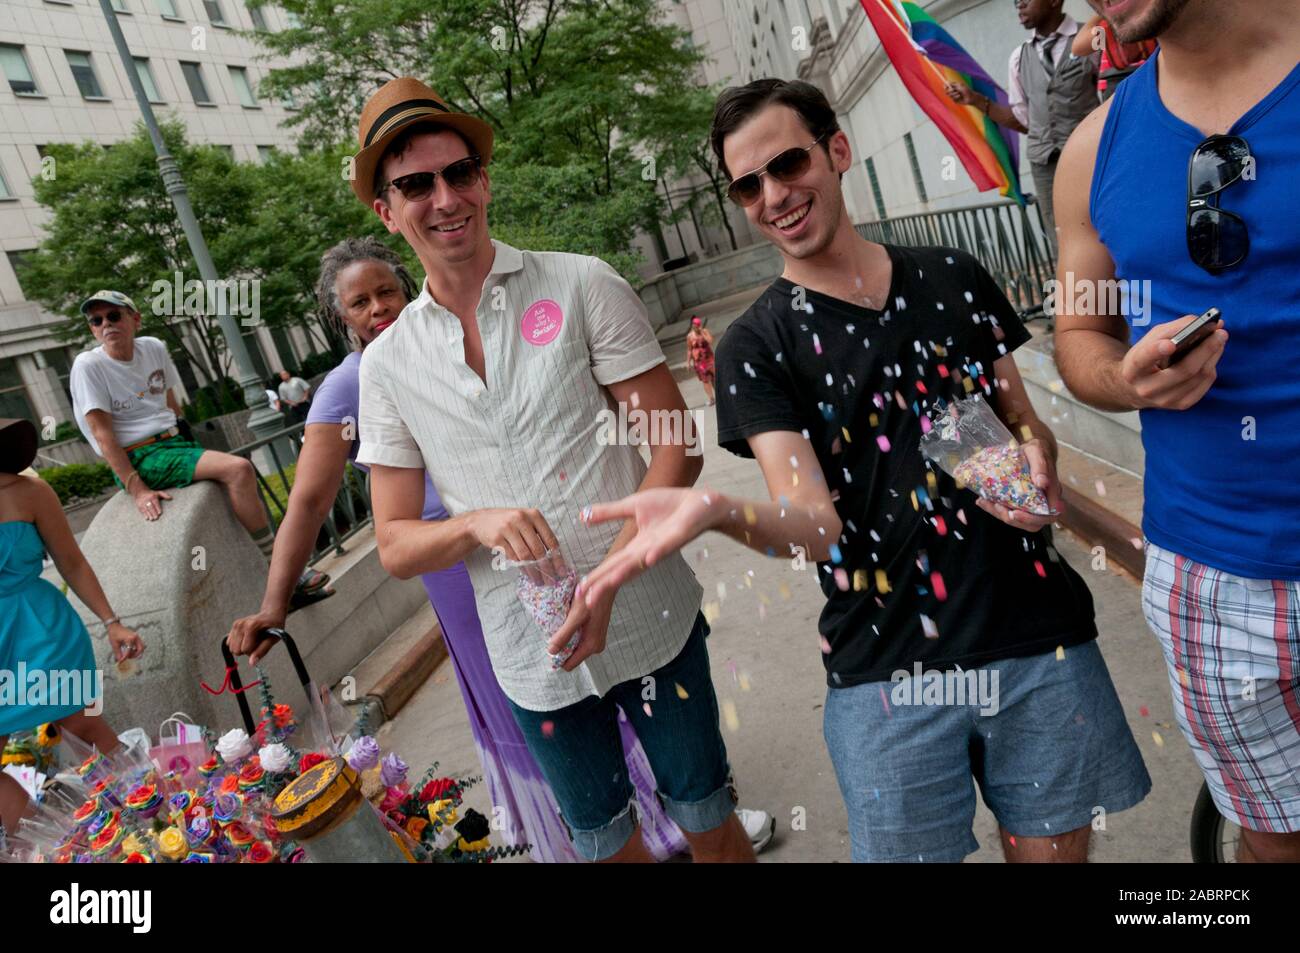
{"x":545,"y":587}
{"x":970,"y":443}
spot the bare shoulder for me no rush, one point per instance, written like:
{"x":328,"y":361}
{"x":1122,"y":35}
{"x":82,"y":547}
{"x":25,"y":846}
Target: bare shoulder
{"x":26,"y":497}
{"x":1080,"y":153}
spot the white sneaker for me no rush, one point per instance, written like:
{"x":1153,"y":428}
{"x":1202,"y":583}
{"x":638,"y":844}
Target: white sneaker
{"x":759,"y":825}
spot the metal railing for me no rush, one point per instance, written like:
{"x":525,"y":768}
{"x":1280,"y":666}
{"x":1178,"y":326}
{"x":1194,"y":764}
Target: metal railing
{"x":1007,"y":239}
{"x":351,"y":511}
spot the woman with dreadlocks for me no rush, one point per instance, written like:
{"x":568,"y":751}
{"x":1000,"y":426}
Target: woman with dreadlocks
{"x":363,"y":288}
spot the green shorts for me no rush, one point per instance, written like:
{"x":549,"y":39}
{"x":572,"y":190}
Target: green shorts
{"x":166,"y":464}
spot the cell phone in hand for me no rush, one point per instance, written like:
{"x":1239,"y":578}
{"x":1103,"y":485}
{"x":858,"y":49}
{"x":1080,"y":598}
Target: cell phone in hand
{"x":1187,"y":340}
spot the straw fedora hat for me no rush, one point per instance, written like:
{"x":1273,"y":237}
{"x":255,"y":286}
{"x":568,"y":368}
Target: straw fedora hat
{"x":398,"y":104}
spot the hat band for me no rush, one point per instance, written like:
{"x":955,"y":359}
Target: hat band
{"x":401,"y":114}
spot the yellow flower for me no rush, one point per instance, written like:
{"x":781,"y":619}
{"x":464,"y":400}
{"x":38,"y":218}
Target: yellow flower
{"x":443,"y":811}
{"x":172,"y":844}
{"x":133,"y":845}
{"x":469,"y":847}
{"x":48,"y":735}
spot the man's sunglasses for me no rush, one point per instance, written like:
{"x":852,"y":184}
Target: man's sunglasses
{"x":112,"y":317}
{"x":784,"y":167}
{"x":1216,"y":238}
{"x":460,"y":175}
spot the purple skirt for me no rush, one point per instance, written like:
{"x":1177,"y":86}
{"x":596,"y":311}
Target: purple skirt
{"x":514,"y":782}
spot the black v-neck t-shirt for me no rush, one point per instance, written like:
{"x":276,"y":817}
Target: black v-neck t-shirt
{"x":926,"y":575}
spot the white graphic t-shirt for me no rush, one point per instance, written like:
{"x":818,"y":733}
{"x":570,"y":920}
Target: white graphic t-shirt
{"x":133,"y":393}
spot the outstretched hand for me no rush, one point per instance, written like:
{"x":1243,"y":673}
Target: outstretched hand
{"x":667,"y":518}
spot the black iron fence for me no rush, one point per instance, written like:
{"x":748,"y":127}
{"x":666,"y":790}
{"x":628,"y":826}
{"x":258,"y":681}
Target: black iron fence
{"x":1007,"y":239}
{"x":274,"y":460}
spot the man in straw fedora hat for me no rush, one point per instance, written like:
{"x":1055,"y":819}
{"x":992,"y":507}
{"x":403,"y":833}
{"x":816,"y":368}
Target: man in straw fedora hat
{"x":496,"y":379}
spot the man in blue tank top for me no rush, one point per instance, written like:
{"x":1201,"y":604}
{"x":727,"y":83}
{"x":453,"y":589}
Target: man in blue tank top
{"x":1189,"y":178}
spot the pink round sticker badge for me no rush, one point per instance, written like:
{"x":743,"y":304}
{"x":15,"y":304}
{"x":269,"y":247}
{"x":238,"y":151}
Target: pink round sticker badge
{"x":541,"y":322}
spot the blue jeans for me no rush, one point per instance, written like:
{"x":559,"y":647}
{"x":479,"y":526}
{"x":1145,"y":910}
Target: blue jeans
{"x":581,"y":754}
{"x":1045,"y":738}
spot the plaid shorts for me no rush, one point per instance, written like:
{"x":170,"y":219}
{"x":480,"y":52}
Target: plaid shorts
{"x":166,"y":464}
{"x":1232,"y":646}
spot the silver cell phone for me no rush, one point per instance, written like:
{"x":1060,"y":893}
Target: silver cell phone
{"x":1187,"y":340}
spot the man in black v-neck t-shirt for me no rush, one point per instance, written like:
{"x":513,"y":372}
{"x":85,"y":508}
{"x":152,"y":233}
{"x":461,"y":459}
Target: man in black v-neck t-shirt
{"x":959,"y":646}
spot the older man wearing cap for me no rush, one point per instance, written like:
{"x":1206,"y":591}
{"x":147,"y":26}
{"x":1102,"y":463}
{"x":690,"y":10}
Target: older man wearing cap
{"x":495,"y":381}
{"x":123,"y":401}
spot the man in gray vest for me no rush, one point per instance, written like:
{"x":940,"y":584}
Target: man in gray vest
{"x":1050,"y":89}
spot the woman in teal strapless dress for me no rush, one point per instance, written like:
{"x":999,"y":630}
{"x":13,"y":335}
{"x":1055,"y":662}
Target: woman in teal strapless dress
{"x":40,"y":633}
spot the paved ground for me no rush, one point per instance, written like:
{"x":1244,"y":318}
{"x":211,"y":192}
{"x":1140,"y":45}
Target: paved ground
{"x":768,"y":670}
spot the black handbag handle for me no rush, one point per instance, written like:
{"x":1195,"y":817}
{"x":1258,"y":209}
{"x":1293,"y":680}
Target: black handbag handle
{"x":236,"y":683}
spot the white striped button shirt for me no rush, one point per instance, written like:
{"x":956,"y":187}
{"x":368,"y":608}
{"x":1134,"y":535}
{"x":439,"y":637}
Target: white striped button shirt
{"x":556,"y":328}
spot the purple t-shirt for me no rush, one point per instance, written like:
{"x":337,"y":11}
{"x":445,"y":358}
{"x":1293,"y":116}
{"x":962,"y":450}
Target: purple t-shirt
{"x":337,"y":401}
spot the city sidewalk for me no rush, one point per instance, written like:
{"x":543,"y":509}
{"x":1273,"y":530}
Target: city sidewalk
{"x":771,"y":687}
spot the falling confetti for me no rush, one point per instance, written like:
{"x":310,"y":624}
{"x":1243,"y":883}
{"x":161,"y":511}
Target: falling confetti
{"x":859,"y":580}
{"x":1155,"y":736}
{"x":1101,"y":488}
{"x":743,"y":681}
{"x":884,"y":701}
{"x":842,"y":580}
{"x":882,"y":582}
{"x":1144,"y":712}
{"x":750,"y":516}
{"x":883,"y":442}
{"x":548,"y":729}
{"x":729,"y":715}
{"x":928,"y":627}
{"x":1060,"y":653}
{"x":824,"y":645}
{"x":940,"y":526}
{"x":940,"y":590}
{"x":681,"y":692}
{"x":817,"y":344}
{"x":1038,"y":568}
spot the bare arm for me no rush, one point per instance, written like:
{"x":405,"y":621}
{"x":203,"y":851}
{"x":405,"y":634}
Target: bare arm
{"x":1092,"y":349}
{"x":316,"y":484}
{"x":799,"y":511}
{"x":174,"y":404}
{"x":1000,"y":113}
{"x":1082,"y":44}
{"x":147,"y":501}
{"x":653,"y":391}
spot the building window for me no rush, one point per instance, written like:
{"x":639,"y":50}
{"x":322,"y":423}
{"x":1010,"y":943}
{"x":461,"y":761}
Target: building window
{"x":266,"y":153}
{"x":16,"y":261}
{"x":168,"y":9}
{"x":875,"y":187}
{"x":194,"y":79}
{"x":215,"y":14}
{"x":5,"y":191}
{"x":13,"y":392}
{"x":17,"y":71}
{"x":916,"y":166}
{"x":229,"y":151}
{"x":239,"y":76}
{"x":295,"y":21}
{"x":146,"y":79}
{"x":84,"y":73}
{"x":120,"y":6}
{"x":259,"y":19}
{"x":287,"y":100}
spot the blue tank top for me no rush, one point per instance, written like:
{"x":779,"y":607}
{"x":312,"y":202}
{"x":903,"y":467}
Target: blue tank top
{"x":1220,"y":484}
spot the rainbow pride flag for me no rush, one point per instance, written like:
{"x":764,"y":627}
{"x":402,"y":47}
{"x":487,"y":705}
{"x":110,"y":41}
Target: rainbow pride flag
{"x":926,"y":58}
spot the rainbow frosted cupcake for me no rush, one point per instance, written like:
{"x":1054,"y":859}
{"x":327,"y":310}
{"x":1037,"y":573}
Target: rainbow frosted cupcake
{"x":251,"y":775}
{"x":84,"y":814}
{"x":108,"y":843}
{"x":145,"y":801}
{"x":239,"y":836}
{"x":227,"y":807}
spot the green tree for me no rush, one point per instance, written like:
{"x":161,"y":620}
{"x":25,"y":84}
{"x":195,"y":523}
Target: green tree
{"x":112,"y":225}
{"x":574,"y":89}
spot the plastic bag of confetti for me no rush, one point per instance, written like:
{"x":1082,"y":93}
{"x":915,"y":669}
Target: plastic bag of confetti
{"x":970,"y":443}
{"x":545,"y":587}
